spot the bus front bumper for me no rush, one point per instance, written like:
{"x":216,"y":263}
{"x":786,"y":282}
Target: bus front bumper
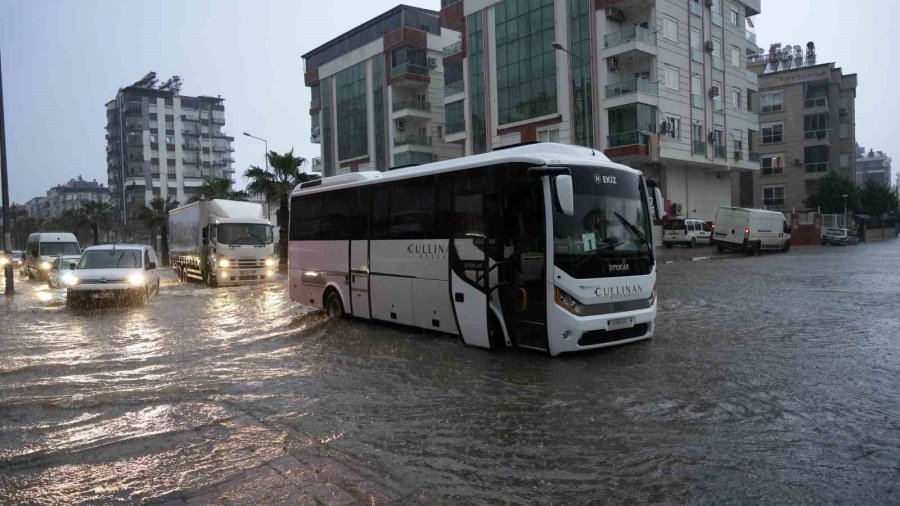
{"x":568,"y":332}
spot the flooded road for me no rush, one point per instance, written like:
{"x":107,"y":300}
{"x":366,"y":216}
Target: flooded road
{"x":770,"y":379}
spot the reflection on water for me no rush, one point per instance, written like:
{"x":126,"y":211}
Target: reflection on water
{"x":798,"y":393}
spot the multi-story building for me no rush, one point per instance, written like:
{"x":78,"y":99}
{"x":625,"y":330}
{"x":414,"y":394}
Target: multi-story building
{"x":67,"y":197}
{"x":378,"y":93}
{"x":660,"y":86}
{"x":874,"y":166}
{"x":807,"y":127}
{"x":163,"y":144}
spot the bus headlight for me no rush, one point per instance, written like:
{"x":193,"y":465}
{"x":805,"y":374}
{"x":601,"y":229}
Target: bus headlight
{"x":224,"y":263}
{"x":45,"y":266}
{"x":136,"y":279}
{"x":565,"y":300}
{"x":270,"y":262}
{"x":69,"y":279}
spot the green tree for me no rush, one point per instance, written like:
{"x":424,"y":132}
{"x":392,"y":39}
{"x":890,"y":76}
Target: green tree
{"x":95,"y":213}
{"x":219,"y":188}
{"x":877,"y":199}
{"x":829,"y":198}
{"x":156,"y":218}
{"x":276,"y":186}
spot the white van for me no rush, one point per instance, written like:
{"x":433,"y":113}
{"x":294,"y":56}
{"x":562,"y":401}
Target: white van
{"x":750,"y":230}
{"x":43,"y":248}
{"x":124,"y":272}
{"x":687,"y":232}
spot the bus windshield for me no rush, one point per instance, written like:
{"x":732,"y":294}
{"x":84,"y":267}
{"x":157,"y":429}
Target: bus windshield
{"x":611,"y":225}
{"x":243,"y":233}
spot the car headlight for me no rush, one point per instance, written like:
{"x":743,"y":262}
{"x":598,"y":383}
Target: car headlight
{"x":270,"y":262}
{"x":224,"y":263}
{"x":136,"y":279}
{"x":46,"y":266}
{"x":69,"y":279}
{"x":565,"y":300}
{"x":4,"y":261}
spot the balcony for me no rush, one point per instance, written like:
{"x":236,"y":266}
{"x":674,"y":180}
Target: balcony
{"x":752,"y":78}
{"x":697,"y":55}
{"x":133,"y":109}
{"x":412,"y":140}
{"x":191,"y":160}
{"x":632,"y":86}
{"x":315,"y":103}
{"x":817,"y":167}
{"x":696,"y":9}
{"x":811,"y":103}
{"x":816,"y":135}
{"x":718,"y":106}
{"x":316,"y":164}
{"x":635,"y":137}
{"x":737,"y":155}
{"x":717,"y":63}
{"x":750,"y":36}
{"x":719,"y":150}
{"x":699,"y":148}
{"x":220,"y":120}
{"x":453,"y":49}
{"x":409,"y":69}
{"x":412,"y":158}
{"x":753,"y":156}
{"x":454,"y":88}
{"x":190,"y":146}
{"x":697,"y":101}
{"x":633,"y":38}
{"x":455,"y":127}
{"x":418,"y":105}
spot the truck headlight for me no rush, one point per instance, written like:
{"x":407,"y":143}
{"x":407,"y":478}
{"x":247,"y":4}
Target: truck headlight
{"x":270,"y":262}
{"x":69,"y":279}
{"x":46,"y":266}
{"x":565,"y":300}
{"x":136,"y":279}
{"x":224,"y":263}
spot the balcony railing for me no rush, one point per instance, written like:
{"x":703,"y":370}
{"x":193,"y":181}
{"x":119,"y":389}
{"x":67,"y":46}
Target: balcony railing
{"x":454,"y":88}
{"x":315,"y":103}
{"x":738,"y":154}
{"x":817,"y":167}
{"x":697,"y":101}
{"x":717,"y":63}
{"x":630,"y":34}
{"x":753,"y":78}
{"x":753,"y":156}
{"x":627,"y":138}
{"x":419,"y":105}
{"x":316,"y":161}
{"x":719,"y":150}
{"x":815,"y":102}
{"x":718,"y":106}
{"x":412,"y":140}
{"x":696,"y":8}
{"x":699,"y":148}
{"x":818,"y":135}
{"x":697,"y":55}
{"x":452,"y":49}
{"x":193,"y":160}
{"x":750,"y":36}
{"x":716,"y":19}
{"x":408,"y":68}
{"x":632,"y":86}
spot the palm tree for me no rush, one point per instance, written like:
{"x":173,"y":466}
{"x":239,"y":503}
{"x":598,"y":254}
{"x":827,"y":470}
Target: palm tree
{"x":276,"y":186}
{"x":94,"y":212}
{"x":219,"y":188}
{"x":156,"y":216}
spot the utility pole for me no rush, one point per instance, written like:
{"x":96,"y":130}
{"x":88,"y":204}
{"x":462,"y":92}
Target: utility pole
{"x":4,"y":182}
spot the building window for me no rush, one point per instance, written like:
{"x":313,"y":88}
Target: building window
{"x":170,"y":125}
{"x":455,"y":117}
{"x":845,"y":161}
{"x":673,"y":127}
{"x":717,"y":47}
{"x":629,"y":124}
{"x":816,"y":158}
{"x":735,"y":57}
{"x":736,"y":97}
{"x":514,"y":138}
{"x":773,"y":196}
{"x":697,"y":84}
{"x":170,"y":140}
{"x":771,"y":102}
{"x":154,"y":139}
{"x":670,"y":29}
{"x":772,"y":133}
{"x":671,"y":77}
{"x":352,"y":131}
{"x":772,"y":165}
{"x":526,"y":60}
{"x":815,"y":94}
{"x":580,"y":15}
{"x":475,"y":48}
{"x":734,"y":17}
{"x":815,"y":126}
{"x":380,"y":119}
{"x":548,"y":134}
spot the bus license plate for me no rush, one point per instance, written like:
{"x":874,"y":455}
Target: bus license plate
{"x":621,"y":323}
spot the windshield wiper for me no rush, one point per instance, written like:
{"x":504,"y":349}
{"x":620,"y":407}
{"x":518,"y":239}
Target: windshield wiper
{"x":232,"y":243}
{"x":634,"y":230}
{"x":598,"y":249}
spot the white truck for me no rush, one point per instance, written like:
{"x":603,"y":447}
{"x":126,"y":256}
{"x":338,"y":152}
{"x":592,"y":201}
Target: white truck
{"x":751,"y":230}
{"x":221,"y":242}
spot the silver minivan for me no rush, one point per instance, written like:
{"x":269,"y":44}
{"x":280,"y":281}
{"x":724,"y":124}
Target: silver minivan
{"x":689,"y":232}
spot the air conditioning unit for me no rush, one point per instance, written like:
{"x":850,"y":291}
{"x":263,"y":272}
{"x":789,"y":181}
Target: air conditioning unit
{"x":675,"y":209}
{"x":711,"y":137}
{"x":400,"y":124}
{"x":713,"y":92}
{"x":615,"y":15}
{"x":709,"y":3}
{"x":432,"y":62}
{"x":664,"y":127}
{"x":708,"y":46}
{"x":612,"y":64}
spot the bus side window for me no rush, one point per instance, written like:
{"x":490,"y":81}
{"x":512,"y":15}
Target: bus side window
{"x":335,"y":216}
{"x":381,"y":217}
{"x":359,"y":213}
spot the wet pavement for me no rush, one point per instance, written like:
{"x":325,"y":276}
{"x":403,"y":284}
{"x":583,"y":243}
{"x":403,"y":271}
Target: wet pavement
{"x":771,"y":379}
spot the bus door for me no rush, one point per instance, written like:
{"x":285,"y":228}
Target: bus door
{"x":469,"y":280}
{"x":359,"y":259}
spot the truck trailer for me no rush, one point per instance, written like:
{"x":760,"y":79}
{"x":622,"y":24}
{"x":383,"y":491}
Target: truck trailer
{"x":221,"y":242}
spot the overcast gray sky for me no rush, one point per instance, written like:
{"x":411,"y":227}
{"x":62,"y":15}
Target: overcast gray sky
{"x":63,"y":60}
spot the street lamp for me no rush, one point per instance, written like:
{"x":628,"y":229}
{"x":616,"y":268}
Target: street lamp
{"x":267,"y":148}
{"x":584,"y":94}
{"x":846,"y":220}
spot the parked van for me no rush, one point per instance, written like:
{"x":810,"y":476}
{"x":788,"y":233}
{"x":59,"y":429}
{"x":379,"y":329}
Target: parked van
{"x":43,"y":248}
{"x":687,"y":232}
{"x":751,"y":230}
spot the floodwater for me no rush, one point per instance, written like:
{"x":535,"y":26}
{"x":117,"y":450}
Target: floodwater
{"x":772,"y":379}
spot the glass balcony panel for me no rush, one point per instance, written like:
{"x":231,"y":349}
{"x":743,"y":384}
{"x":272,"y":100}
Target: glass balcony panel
{"x":629,"y":34}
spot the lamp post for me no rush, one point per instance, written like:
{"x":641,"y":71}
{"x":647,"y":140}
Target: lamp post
{"x":846,"y":220}
{"x":584,"y":94}
{"x":4,"y":181}
{"x":267,"y":148}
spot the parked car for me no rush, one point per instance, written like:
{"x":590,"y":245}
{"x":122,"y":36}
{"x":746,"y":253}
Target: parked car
{"x":751,"y":230}
{"x":44,"y":247}
{"x":113,"y":272}
{"x":839,"y":237}
{"x":18,"y":259}
{"x":59,"y":267}
{"x":689,"y":232}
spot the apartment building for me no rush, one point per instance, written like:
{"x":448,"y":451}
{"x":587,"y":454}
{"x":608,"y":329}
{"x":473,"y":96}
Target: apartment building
{"x":873,"y":166}
{"x":67,"y":197}
{"x":662,"y":86}
{"x":377,"y":93}
{"x":807,"y":128}
{"x":163,"y":144}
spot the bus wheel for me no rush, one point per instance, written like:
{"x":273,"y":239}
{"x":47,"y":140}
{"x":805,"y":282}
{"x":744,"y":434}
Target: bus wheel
{"x":495,"y":334}
{"x":334,"y":308}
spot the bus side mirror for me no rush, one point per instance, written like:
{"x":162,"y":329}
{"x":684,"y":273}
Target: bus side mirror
{"x":565,"y":194}
{"x":659,"y":206}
